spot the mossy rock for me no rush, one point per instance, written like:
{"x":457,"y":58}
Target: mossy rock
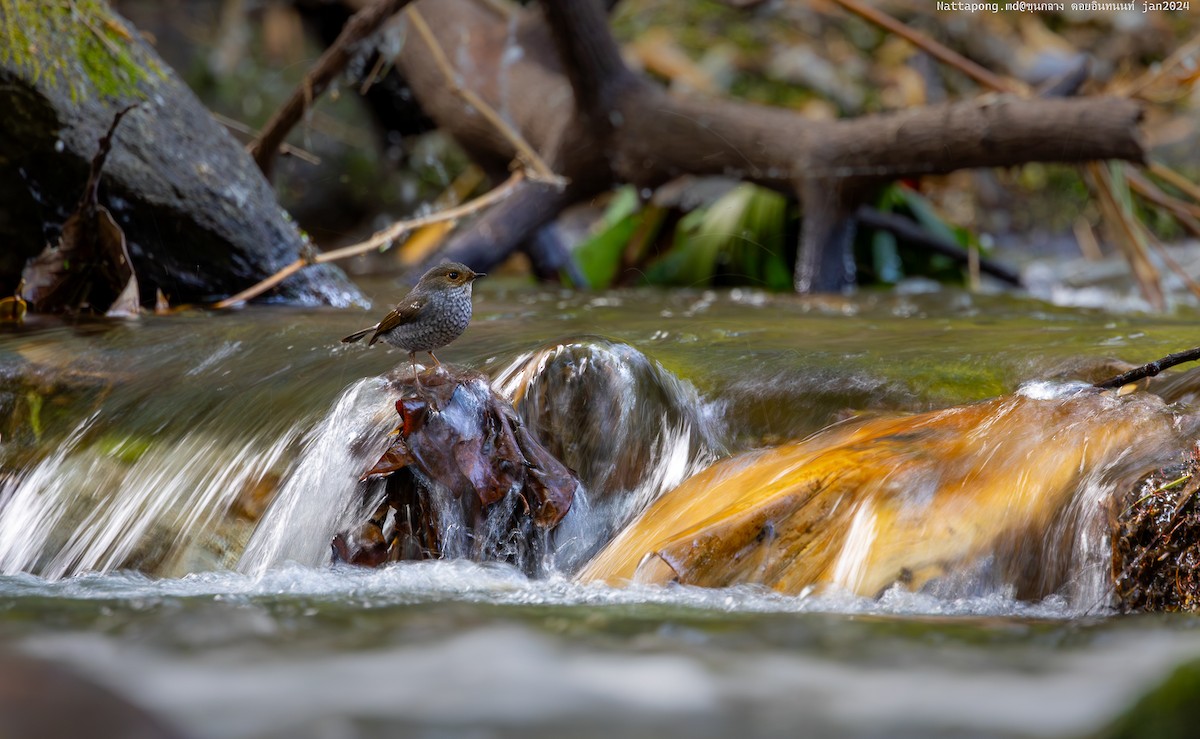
{"x":200,"y":219}
{"x":1156,"y":541}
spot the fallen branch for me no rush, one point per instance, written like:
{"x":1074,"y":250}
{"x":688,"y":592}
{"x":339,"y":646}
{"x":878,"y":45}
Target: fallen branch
{"x":361,"y":25}
{"x":571,"y":97}
{"x":1149,"y":370}
{"x":380,"y":241}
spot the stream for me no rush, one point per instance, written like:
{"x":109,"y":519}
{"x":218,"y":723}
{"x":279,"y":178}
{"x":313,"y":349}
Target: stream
{"x":169,"y":487}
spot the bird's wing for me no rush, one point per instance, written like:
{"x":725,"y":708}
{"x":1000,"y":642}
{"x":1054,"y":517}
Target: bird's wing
{"x":400,"y":315}
{"x":358,"y":335}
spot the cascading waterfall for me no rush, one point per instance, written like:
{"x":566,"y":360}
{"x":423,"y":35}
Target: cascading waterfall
{"x":83,"y":510}
{"x":632,"y":429}
{"x":318,"y":497}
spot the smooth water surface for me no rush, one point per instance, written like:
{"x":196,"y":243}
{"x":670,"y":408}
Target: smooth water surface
{"x":128,"y":444}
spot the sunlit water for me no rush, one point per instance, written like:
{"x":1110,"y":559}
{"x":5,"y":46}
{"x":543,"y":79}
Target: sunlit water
{"x":247,"y":631}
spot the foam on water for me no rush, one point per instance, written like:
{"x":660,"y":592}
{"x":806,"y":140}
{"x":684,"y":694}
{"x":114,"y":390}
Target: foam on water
{"x":441,"y":581}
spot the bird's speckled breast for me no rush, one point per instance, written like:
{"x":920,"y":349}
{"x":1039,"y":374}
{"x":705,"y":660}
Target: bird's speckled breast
{"x":442,"y":320}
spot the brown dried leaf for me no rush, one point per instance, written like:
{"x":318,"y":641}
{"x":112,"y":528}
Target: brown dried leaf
{"x":397,"y":457}
{"x":111,"y":243}
{"x":89,"y":266}
{"x":550,"y":482}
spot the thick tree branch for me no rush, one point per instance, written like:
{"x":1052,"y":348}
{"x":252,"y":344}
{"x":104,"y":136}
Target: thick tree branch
{"x":590,"y":55}
{"x":774,"y":147}
{"x":825,"y":260}
{"x":494,"y":235}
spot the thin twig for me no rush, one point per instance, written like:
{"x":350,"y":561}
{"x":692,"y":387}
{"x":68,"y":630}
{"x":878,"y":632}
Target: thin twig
{"x":1185,"y":213}
{"x":360,"y":26}
{"x":1150,"y":76}
{"x":383,"y":238}
{"x":256,"y":290}
{"x":1128,"y":237}
{"x":380,"y":240}
{"x":374,"y":75}
{"x":1088,"y":245}
{"x":908,"y":230}
{"x":286,"y":149}
{"x":1149,"y":370}
{"x":525,"y":153}
{"x":933,"y":48}
{"x":1176,"y":180}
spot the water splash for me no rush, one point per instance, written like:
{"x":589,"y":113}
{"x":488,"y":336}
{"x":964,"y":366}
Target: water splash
{"x":29,"y":511}
{"x":319,"y":496}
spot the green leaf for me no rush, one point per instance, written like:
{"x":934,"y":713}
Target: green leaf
{"x":741,"y":233}
{"x":885,"y":258}
{"x":599,"y":256}
{"x":924,"y":214}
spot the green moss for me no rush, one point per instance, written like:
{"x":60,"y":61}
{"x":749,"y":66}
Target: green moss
{"x":76,"y":44}
{"x":128,"y":449}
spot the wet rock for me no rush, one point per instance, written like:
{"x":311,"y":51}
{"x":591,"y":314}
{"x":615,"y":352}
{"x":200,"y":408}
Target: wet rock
{"x":465,"y":479}
{"x":1156,"y":540}
{"x":913,"y":501}
{"x":629,"y":428}
{"x":610,"y":413}
{"x":42,"y":699}
{"x":200,"y":220}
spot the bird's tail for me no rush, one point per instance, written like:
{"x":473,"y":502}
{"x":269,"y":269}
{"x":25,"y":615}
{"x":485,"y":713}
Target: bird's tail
{"x":358,"y":335}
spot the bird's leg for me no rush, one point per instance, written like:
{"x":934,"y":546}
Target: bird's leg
{"x":436,"y":363}
{"x":412,"y":357}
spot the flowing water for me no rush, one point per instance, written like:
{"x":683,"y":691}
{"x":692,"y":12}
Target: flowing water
{"x":137,"y":547}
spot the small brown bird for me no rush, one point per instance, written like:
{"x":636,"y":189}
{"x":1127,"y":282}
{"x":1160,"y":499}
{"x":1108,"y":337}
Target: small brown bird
{"x":433,"y":314}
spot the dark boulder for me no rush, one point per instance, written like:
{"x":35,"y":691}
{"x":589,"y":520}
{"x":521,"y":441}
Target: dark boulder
{"x":200,"y":220}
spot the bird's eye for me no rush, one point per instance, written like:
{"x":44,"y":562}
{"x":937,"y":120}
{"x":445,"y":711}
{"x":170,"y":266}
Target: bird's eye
{"x":453,"y":275}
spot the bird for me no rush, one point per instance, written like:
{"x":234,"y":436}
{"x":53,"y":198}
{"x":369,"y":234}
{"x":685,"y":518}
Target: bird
{"x":430,"y":316}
